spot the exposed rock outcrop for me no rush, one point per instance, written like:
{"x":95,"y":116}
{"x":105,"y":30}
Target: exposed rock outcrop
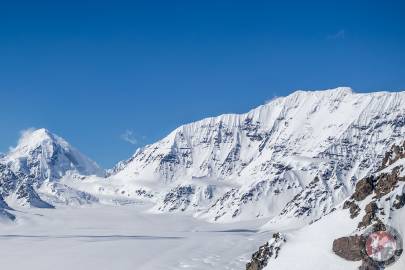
{"x":397,"y":152}
{"x":378,"y":185}
{"x":349,"y":248}
{"x":269,"y":250}
{"x":385,"y":183}
{"x":384,"y":191}
{"x":353,"y":208}
{"x":370,"y":215}
{"x":363,"y":188}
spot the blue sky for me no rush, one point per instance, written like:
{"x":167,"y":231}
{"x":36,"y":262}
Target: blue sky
{"x":100,"y":72}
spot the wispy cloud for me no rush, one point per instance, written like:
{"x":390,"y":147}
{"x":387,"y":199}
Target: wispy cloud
{"x":338,"y":35}
{"x":129,"y":137}
{"x":24,"y":135}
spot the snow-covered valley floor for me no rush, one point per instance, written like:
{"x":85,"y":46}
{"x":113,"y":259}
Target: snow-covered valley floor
{"x":105,"y":237}
{"x":123,"y":237}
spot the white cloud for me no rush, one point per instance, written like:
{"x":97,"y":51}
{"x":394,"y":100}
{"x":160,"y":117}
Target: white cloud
{"x":24,"y":135}
{"x":129,"y":137}
{"x":338,"y":35}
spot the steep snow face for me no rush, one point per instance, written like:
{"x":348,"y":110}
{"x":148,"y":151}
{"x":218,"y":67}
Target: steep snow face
{"x":296,"y":156}
{"x":46,"y":156}
{"x":41,"y":157}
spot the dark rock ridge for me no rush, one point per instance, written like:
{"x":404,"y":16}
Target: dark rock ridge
{"x":269,"y":250}
{"x":371,"y":210}
{"x":397,"y":152}
{"x":387,"y":182}
{"x":379,"y":185}
{"x":363,"y":188}
{"x":353,"y":208}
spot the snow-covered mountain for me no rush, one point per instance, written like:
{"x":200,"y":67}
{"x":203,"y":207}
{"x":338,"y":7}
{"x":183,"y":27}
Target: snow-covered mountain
{"x":46,"y":156}
{"x":40,"y":159}
{"x":296,"y":156}
{"x":334,"y":242}
{"x":314,"y":164}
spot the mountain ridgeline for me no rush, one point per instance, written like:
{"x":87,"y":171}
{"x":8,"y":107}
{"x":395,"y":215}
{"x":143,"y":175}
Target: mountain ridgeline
{"x":295,"y":157}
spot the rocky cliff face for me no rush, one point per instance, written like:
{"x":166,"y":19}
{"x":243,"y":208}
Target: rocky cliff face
{"x":376,"y":204}
{"x":269,"y":250}
{"x":375,"y":201}
{"x":294,"y":157}
{"x":377,"y":196}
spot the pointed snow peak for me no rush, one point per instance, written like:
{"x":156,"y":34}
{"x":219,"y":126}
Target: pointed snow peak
{"x":33,"y":138}
{"x":48,"y":156}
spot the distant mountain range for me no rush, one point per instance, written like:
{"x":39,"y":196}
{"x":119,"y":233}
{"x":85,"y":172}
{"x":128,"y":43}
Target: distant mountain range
{"x":293,"y":159}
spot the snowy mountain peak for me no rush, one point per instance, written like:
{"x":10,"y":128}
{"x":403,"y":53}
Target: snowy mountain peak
{"x":40,"y":160}
{"x":31,"y":139}
{"x":46,"y":156}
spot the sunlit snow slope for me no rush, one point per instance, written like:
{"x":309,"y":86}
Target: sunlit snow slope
{"x":296,"y":156}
